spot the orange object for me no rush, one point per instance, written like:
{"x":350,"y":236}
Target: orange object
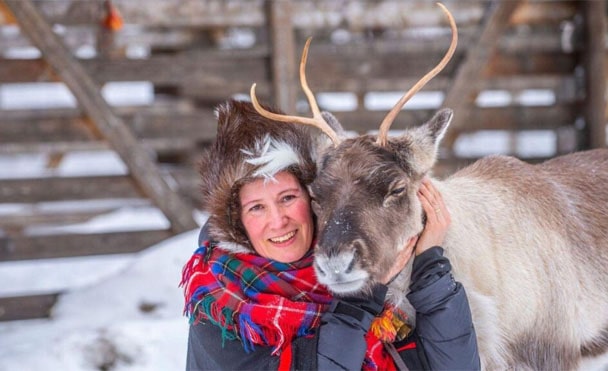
{"x":113,"y":21}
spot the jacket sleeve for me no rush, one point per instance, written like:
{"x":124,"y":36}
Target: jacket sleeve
{"x":444,"y":327}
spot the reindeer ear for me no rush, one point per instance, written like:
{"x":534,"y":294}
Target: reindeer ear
{"x":439,"y":123}
{"x":423,"y":142}
{"x":322,"y":141}
{"x":333,"y":122}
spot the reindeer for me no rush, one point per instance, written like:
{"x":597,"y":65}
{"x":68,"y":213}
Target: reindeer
{"x":528,"y":242}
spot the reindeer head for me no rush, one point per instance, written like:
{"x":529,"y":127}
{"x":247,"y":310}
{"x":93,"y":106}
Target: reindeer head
{"x":364,"y":195}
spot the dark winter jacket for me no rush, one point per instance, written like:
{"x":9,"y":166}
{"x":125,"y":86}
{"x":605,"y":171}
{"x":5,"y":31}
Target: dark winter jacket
{"x":444,"y":337}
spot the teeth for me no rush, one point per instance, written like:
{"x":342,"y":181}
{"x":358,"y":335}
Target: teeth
{"x":283,"y":238}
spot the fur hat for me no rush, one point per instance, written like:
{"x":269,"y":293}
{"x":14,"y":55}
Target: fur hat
{"x":248,"y":146}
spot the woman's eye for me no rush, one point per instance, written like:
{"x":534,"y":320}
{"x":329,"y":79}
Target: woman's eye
{"x":397,"y":191}
{"x":288,"y":198}
{"x":255,"y":208}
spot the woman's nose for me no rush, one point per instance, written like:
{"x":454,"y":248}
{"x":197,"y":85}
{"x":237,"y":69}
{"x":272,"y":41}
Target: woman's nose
{"x":278,"y":216}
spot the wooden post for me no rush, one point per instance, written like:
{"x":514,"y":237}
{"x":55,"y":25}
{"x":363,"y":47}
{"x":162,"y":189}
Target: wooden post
{"x":282,"y":54}
{"x":477,"y":56}
{"x":595,"y":79}
{"x":140,"y":162}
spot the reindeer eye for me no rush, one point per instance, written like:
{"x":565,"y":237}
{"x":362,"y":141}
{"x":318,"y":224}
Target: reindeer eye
{"x":397,"y":191}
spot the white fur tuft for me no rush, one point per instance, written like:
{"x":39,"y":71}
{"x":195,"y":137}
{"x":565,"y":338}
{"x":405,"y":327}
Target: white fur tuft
{"x":272,"y":156}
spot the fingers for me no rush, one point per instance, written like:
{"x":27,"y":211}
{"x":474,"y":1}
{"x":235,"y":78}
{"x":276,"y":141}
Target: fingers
{"x":437,"y":216}
{"x":432,"y":202}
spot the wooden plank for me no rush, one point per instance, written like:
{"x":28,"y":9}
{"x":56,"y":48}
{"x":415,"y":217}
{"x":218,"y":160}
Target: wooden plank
{"x":67,"y":188}
{"x":13,"y":308}
{"x":461,"y":93}
{"x":87,"y":93}
{"x":282,"y":60}
{"x":71,"y":245}
{"x":247,"y":65}
{"x":497,"y":118}
{"x":357,"y":120}
{"x":29,"y":215}
{"x":21,"y":220}
{"x":594,"y":61}
{"x":35,"y":190}
{"x":54,"y":125}
{"x":307,"y":13}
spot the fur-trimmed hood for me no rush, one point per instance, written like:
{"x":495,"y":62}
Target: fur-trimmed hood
{"x":248,"y":146}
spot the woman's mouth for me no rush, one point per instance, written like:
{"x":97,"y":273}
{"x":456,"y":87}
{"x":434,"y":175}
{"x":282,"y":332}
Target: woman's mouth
{"x":283,"y":238}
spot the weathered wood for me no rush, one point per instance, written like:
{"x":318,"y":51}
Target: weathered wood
{"x":67,"y":188}
{"x":461,"y":93}
{"x":246,"y":65}
{"x":87,"y":93}
{"x":36,"y":217}
{"x":70,"y":245}
{"x":13,"y":308}
{"x":498,"y":118}
{"x":594,"y":59}
{"x":68,"y":124}
{"x":307,"y":14}
{"x":189,"y":138}
{"x":282,"y":60}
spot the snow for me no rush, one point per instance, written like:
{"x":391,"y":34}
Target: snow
{"x":128,"y":319}
{"x":118,"y":312}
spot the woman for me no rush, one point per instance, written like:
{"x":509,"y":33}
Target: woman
{"x":250,"y":288}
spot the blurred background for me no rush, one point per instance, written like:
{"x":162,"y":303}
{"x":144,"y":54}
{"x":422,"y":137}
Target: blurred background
{"x":105,"y":107}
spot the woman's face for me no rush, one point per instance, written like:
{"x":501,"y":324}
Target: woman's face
{"x":277,"y":217}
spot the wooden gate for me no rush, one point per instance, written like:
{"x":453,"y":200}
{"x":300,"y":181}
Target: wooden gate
{"x":195,"y":54}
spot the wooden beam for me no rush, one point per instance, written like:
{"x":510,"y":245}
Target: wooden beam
{"x":29,"y":216}
{"x":67,"y":188}
{"x":594,"y":61}
{"x":495,"y":118}
{"x":70,"y":245}
{"x":460,"y":95}
{"x":86,"y":91}
{"x":408,"y":56}
{"x":13,"y":308}
{"x":309,"y":14}
{"x":283,"y":64}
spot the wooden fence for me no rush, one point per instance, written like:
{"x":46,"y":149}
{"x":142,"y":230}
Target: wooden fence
{"x":198,"y":53}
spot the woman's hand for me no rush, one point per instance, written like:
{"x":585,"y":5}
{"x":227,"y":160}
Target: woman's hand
{"x":437,"y":223}
{"x":437,"y":217}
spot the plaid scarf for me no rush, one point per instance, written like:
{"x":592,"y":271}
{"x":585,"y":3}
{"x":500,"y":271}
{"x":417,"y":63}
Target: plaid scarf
{"x":261,"y":301}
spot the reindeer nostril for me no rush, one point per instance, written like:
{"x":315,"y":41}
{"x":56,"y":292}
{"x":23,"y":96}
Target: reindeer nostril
{"x":351,"y":265}
{"x":320,"y":271}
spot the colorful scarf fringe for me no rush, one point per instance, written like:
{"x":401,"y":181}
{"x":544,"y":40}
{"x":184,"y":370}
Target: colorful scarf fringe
{"x":263,"y":302}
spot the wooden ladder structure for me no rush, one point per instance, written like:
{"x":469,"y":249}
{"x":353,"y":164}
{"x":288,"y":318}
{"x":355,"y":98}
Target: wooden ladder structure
{"x":144,"y":173}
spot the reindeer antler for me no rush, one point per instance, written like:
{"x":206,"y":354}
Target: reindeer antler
{"x":390,"y":117}
{"x":317,"y":119}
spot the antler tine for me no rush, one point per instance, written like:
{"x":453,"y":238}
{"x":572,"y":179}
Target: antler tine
{"x":317,"y":120}
{"x":390,"y":117}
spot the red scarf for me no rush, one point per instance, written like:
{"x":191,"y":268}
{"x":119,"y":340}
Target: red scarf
{"x":261,"y":301}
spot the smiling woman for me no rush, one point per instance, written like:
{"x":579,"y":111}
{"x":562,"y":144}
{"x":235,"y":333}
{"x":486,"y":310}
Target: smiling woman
{"x":252,"y":291}
{"x":277,"y":217}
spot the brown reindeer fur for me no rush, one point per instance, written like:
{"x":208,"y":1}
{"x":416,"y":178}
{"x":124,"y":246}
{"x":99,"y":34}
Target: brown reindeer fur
{"x":528,"y":242}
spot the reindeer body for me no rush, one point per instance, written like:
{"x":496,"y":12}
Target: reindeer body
{"x":528,"y":242}
{"x":530,"y":245}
